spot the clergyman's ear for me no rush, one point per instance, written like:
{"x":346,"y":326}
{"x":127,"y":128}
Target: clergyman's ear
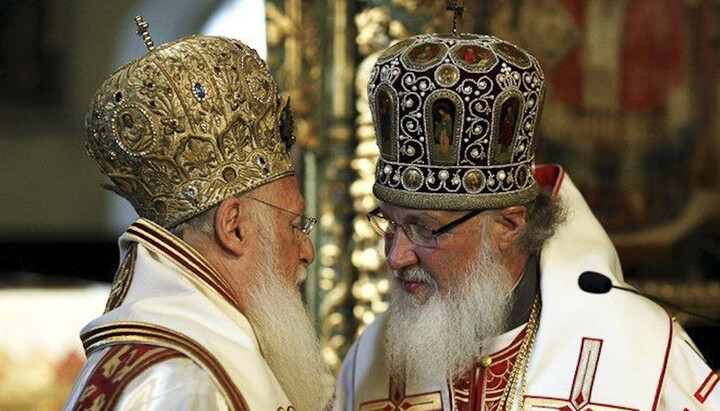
{"x":231,"y":225}
{"x":510,"y":223}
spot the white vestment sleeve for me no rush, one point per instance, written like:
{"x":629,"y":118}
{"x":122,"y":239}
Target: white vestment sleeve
{"x":689,"y":383}
{"x":343,"y":398}
{"x":175,"y":384}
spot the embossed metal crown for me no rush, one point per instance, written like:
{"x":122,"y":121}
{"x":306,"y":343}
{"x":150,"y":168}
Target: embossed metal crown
{"x":455,"y":119}
{"x":189,"y":124}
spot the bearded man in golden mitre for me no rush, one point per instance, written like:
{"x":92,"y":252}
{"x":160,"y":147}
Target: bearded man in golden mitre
{"x":205,"y":310}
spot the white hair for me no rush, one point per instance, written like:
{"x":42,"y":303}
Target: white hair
{"x":203,"y":223}
{"x":442,"y":336}
{"x":284,"y":329}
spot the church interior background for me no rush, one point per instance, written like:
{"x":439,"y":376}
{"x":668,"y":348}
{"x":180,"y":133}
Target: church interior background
{"x":631,"y":113}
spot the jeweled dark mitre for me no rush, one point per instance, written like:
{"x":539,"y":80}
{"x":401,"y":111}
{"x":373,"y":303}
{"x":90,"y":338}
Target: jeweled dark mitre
{"x":187,"y":125}
{"x":455,"y":119}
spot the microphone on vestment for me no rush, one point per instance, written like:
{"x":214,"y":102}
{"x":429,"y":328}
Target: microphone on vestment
{"x":596,"y":283}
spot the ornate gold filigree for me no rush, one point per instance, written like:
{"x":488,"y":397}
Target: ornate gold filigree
{"x":294,"y":56}
{"x":123,"y":279}
{"x":176,"y":128}
{"x":370,"y":290}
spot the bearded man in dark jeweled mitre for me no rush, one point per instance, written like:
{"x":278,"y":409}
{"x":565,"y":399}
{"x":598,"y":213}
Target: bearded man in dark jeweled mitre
{"x":486,"y":252}
{"x":205,"y":310}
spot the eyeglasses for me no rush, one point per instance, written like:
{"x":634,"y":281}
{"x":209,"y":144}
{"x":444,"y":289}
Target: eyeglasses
{"x":417,"y":233}
{"x":306,"y":223}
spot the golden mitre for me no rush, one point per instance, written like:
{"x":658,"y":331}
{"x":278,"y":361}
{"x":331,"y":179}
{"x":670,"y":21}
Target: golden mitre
{"x":189,"y":124}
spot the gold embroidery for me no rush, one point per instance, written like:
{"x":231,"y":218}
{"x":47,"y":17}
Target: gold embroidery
{"x":144,"y":333}
{"x":707,"y":387}
{"x":424,"y":402}
{"x":86,"y":392}
{"x":545,"y":404}
{"x":118,"y":366}
{"x":114,"y":362}
{"x":161,"y":241}
{"x":581,"y":391}
{"x":519,"y":373}
{"x":398,"y":401}
{"x":122,"y":280}
{"x":171,"y":128}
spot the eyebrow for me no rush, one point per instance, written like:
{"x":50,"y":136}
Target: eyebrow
{"x":424,"y":216}
{"x":416,"y":217}
{"x":303,"y":208}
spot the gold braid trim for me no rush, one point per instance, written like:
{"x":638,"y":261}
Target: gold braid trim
{"x":162,"y":241}
{"x":120,"y":365}
{"x":449,"y":201}
{"x":123,"y":279}
{"x":144,"y":333}
{"x":519,"y":372}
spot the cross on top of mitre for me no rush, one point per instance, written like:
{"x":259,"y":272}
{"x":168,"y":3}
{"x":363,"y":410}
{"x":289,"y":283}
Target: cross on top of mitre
{"x":144,"y":32}
{"x":457,"y":8}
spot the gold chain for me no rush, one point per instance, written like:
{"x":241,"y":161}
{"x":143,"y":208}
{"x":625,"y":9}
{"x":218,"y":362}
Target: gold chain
{"x":523,"y":359}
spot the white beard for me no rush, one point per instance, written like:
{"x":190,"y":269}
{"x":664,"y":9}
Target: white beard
{"x":286,"y":335}
{"x":442,"y":337}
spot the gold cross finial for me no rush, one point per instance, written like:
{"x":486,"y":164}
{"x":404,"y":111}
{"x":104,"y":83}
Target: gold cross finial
{"x":144,"y":32}
{"x":457,"y":8}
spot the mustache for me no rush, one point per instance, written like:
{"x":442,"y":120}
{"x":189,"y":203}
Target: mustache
{"x":301,"y":274}
{"x":414,"y":274}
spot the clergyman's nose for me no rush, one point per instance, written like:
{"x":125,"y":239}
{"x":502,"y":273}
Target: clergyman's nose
{"x":307,"y":252}
{"x":400,"y":252}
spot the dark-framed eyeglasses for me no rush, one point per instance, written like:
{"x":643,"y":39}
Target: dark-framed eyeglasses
{"x":417,"y":233}
{"x":306,"y":223}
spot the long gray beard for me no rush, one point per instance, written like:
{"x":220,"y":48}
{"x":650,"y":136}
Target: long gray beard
{"x":442,"y":337}
{"x":287,"y":337}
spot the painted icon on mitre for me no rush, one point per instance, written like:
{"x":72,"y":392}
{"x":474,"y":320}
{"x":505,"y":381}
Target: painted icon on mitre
{"x":443,"y":114}
{"x":474,"y":57}
{"x":507,"y":127}
{"x":513,"y":54}
{"x":424,"y":53}
{"x":385,"y":110}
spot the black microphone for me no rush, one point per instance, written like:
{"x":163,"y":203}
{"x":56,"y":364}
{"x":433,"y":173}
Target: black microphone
{"x":596,"y":283}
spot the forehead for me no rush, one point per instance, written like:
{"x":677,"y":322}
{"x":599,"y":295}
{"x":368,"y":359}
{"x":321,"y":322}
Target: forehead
{"x":287,"y":194}
{"x":402,"y":213}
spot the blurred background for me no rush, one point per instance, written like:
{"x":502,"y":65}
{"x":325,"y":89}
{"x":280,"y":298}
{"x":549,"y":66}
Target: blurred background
{"x":631,"y":113}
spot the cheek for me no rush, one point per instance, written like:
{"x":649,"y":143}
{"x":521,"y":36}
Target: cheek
{"x":445,"y":280}
{"x":290,"y":250}
{"x":286,"y":239}
{"x":442,"y":265}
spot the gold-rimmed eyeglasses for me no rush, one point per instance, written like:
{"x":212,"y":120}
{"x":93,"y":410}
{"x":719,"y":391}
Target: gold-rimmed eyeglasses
{"x":306,"y":223}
